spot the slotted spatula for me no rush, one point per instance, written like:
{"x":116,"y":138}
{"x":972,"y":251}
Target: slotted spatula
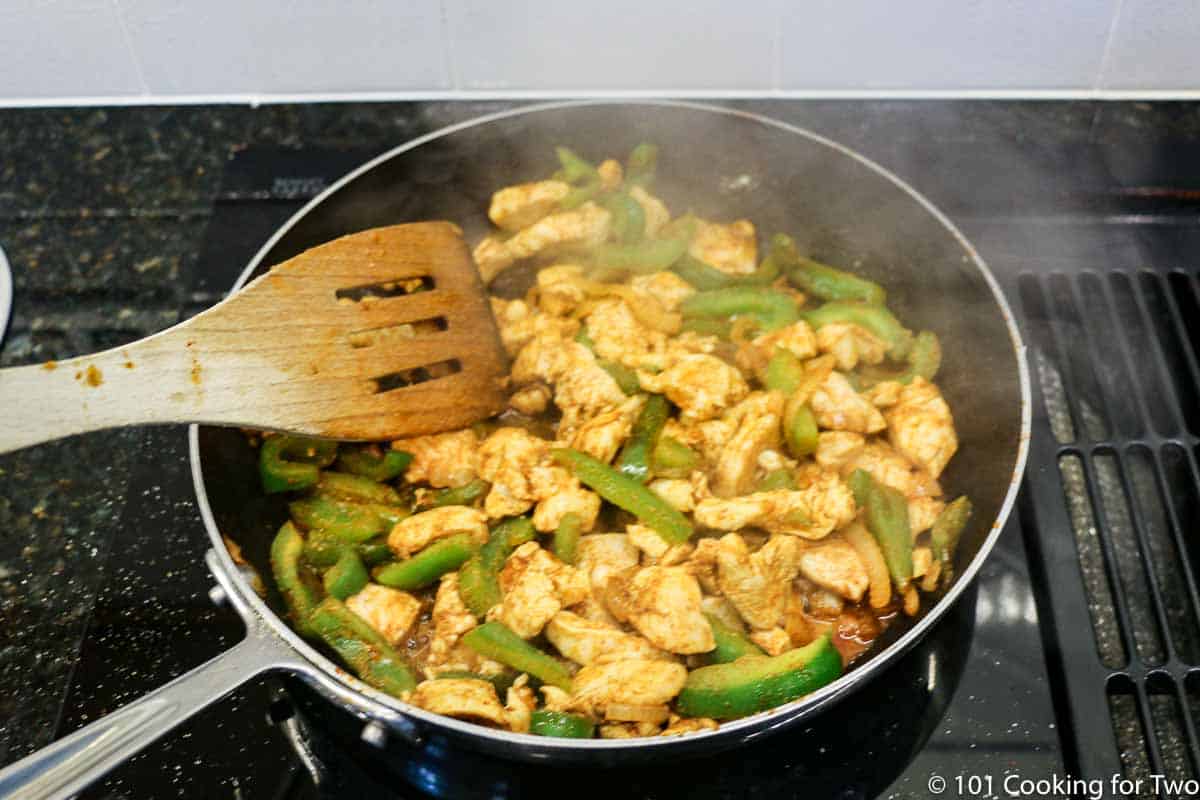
{"x":378,"y":335}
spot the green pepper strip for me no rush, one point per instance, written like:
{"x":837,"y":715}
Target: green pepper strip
{"x":502,"y":681}
{"x":582,"y":174}
{"x":323,"y":549}
{"x":781,"y":478}
{"x":924,"y":360}
{"x":628,"y":217}
{"x":566,"y":537}
{"x":673,"y":459}
{"x":634,"y":459}
{"x":830,"y":283}
{"x":705,"y":277}
{"x":497,"y":642}
{"x":368,"y":462}
{"x":351,"y":522}
{"x":424,"y":568}
{"x":461,"y":495}
{"x":799,"y":427}
{"x":479,"y":577}
{"x":561,"y":724}
{"x":627,"y":493}
{"x":348,"y":576}
{"x":887,"y":520}
{"x":773,"y":309}
{"x":947,"y":529}
{"x":709,"y":326}
{"x":362,"y":648}
{"x":641,"y":165}
{"x":757,"y":683}
{"x":626,"y":378}
{"x":288,"y":463}
{"x":357,"y":489}
{"x":876,"y":319}
{"x":785,"y":371}
{"x":731,"y":644}
{"x":651,"y":255}
{"x":285,"y":566}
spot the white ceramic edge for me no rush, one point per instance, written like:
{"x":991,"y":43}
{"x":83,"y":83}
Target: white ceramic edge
{"x":6,"y":294}
{"x":337,"y":679}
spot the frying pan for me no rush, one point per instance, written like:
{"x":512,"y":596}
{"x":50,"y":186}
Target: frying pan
{"x":718,"y":162}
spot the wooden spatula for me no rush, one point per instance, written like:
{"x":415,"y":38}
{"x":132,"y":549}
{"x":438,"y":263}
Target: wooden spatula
{"x":377,"y":335}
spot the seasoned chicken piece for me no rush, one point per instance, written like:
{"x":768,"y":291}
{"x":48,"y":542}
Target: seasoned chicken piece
{"x":559,"y":493}
{"x":516,"y":207}
{"x":731,"y":248}
{"x":773,"y":641}
{"x":676,"y":491}
{"x":582,"y":388}
{"x":463,"y":698}
{"x":889,"y":467}
{"x":442,"y":459}
{"x":922,"y":559}
{"x":611,"y":174}
{"x":536,"y":586}
{"x":703,"y":564}
{"x":600,"y":556}
{"x":921,"y":428}
{"x":625,"y":712}
{"x":657,"y":550}
{"x":701,"y":385}
{"x":560,"y":289}
{"x":811,"y":511}
{"x":884,"y":394}
{"x":627,"y":730}
{"x":507,"y":459}
{"x":587,"y":225}
{"x":772,"y":459}
{"x":602,"y":435}
{"x":758,"y":429}
{"x":654,"y":209}
{"x":834,"y":565}
{"x":836,"y":449}
{"x":707,"y":438}
{"x":838,"y":407}
{"x":632,"y":681}
{"x":922,"y":511}
{"x":519,"y":704}
{"x":722,"y":609}
{"x":753,"y":356}
{"x":530,"y":400}
{"x":665,"y":608}
{"x":389,"y":611}
{"x":795,"y":616}
{"x":519,"y":323}
{"x":666,"y":287}
{"x":756,"y":584}
{"x":414,"y":533}
{"x":585,"y":641}
{"x":617,"y":334}
{"x":451,"y":619}
{"x":849,"y":344}
{"x":678,"y":726}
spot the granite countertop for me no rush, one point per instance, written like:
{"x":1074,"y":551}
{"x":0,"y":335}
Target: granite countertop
{"x":102,"y":211}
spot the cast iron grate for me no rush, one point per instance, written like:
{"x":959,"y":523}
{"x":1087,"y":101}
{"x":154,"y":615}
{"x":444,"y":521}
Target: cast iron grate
{"x":1114,"y":495}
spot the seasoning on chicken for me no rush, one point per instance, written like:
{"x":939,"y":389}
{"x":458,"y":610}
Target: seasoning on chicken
{"x":665,"y":608}
{"x":731,"y":248}
{"x":582,"y":388}
{"x":586,"y":225}
{"x":442,"y":459}
{"x":389,"y":611}
{"x":536,"y":586}
{"x":797,"y":338}
{"x":602,"y":435}
{"x":834,"y":565}
{"x":850,"y":344}
{"x":889,"y":467}
{"x":632,"y":681}
{"x":836,"y":449}
{"x":516,"y":207}
{"x":756,"y":584}
{"x":507,"y":459}
{"x":586,"y":641}
{"x":666,"y":287}
{"x":758,"y":428}
{"x":838,"y":407}
{"x":701,"y":385}
{"x":921,"y":428}
{"x":519,"y":322}
{"x":560,"y":290}
{"x":922,"y":511}
{"x":464,"y":698}
{"x":812,"y":511}
{"x":416,"y":532}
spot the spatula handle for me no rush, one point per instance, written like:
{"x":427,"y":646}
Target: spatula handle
{"x":149,"y":381}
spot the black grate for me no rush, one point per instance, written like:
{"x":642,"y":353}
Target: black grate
{"x":1117,"y":411}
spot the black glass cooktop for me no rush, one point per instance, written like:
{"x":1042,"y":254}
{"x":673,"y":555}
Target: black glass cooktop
{"x":1071,"y":655}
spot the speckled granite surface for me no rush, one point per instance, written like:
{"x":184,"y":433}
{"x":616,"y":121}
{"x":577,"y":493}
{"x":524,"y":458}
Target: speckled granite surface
{"x":102,"y":212}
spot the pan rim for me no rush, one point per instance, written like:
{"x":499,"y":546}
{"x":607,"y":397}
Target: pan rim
{"x":324,"y":670}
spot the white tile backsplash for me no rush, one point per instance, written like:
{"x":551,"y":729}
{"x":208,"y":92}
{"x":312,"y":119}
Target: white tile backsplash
{"x":261,"y":48}
{"x":943,"y":44}
{"x":64,"y":48}
{"x":1155,"y":45}
{"x":615,"y":44}
{"x":288,"y":46}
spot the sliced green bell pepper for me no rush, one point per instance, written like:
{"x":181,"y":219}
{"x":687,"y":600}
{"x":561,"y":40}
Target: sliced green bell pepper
{"x":362,"y":648}
{"x":497,"y":642}
{"x":427,"y":566}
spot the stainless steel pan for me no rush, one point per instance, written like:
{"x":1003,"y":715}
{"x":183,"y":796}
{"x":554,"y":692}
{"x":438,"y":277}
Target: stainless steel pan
{"x":716,"y":161}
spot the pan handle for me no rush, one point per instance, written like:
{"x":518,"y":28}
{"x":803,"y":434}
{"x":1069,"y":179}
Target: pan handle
{"x":67,"y":766}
